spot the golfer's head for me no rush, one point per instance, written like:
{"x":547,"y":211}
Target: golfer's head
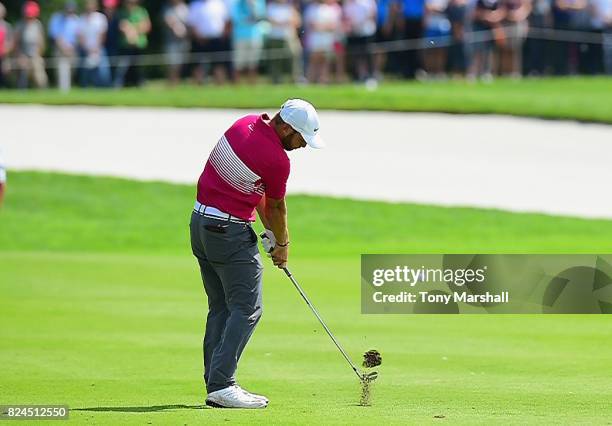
{"x":302,"y":123}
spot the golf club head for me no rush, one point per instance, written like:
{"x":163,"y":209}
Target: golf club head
{"x":369,"y":377}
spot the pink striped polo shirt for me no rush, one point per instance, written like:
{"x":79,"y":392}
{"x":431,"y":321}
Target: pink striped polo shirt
{"x":248,"y":161}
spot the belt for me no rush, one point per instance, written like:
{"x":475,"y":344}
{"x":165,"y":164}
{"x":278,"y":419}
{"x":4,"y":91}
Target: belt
{"x":215,"y":213}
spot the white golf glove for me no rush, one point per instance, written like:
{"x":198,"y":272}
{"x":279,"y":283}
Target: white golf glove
{"x":268,"y":240}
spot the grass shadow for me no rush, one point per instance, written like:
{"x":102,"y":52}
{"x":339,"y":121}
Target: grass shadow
{"x":152,"y":408}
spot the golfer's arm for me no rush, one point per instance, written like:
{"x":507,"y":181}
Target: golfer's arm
{"x":276,"y":215}
{"x":261,"y":211}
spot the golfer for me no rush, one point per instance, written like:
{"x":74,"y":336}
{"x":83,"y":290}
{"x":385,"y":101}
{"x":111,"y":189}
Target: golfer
{"x":246,"y":171}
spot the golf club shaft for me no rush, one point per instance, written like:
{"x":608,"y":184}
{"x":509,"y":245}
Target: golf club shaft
{"x":314,"y":311}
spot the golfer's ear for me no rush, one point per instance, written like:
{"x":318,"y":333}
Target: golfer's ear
{"x":286,"y":128}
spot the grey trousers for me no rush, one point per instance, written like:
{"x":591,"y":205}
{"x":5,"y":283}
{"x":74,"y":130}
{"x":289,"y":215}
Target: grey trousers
{"x":232,"y":272}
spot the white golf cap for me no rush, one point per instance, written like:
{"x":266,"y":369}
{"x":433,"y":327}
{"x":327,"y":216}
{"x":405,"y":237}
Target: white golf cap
{"x":302,"y":116}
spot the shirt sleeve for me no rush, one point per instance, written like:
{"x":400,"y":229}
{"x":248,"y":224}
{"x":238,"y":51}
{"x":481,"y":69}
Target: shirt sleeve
{"x":308,"y":14}
{"x":81,"y":26}
{"x":260,"y":9}
{"x":54,"y":26}
{"x":103,"y":23}
{"x":276,"y":180}
{"x":192,"y":15}
{"x":235,"y":13}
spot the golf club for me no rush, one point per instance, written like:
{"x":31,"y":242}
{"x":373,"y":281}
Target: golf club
{"x":363,"y":377}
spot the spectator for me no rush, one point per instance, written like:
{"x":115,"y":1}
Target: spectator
{"x":92,"y":33}
{"x":283,"y":42}
{"x":6,"y":45}
{"x":414,"y":14}
{"x":582,"y":50}
{"x":567,"y":15}
{"x":111,"y":42}
{"x":322,"y":20}
{"x":247,"y":37}
{"x":339,"y":56}
{"x":389,"y":27}
{"x":602,"y":13}
{"x":488,"y":33}
{"x":176,"y":38}
{"x":209,"y":24}
{"x":458,"y":13}
{"x":134,"y":25}
{"x":29,"y":47}
{"x":63,"y":31}
{"x":593,"y":51}
{"x":360,"y":19}
{"x":437,"y":35}
{"x":536,"y":48}
{"x":515,"y":27}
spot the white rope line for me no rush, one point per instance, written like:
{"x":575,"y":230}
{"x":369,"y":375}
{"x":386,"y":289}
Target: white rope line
{"x":160,"y":59}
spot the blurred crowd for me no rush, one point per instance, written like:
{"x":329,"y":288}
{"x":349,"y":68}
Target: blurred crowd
{"x":316,"y":41}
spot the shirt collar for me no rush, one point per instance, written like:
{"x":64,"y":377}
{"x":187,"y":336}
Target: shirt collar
{"x":269,"y":130}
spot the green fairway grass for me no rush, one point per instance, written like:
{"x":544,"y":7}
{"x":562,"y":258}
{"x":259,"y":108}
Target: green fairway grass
{"x":103,"y":310}
{"x":578,"y":98}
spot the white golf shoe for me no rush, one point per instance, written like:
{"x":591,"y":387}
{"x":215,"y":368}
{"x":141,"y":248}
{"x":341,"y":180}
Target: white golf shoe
{"x":253,"y":395}
{"x":234,"y":397}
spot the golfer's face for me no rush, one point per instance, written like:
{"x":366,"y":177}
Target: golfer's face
{"x":293,"y":141}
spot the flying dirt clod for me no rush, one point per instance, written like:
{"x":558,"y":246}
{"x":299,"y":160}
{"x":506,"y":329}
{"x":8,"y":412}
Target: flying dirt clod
{"x":372,"y":358}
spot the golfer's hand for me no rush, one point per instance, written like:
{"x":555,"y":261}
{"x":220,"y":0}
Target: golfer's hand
{"x":279,"y":256}
{"x":268,"y":241}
